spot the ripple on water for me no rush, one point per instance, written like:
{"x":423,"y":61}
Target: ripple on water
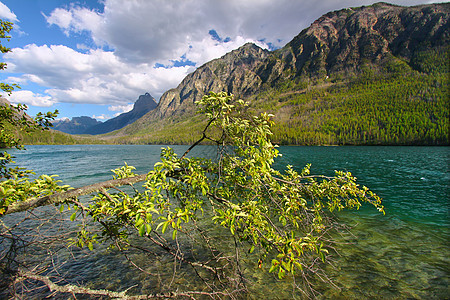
{"x":398,"y":256}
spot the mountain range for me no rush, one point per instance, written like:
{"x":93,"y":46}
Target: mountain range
{"x":88,"y":125}
{"x":144,"y":104}
{"x":76,"y":125}
{"x":374,"y":74}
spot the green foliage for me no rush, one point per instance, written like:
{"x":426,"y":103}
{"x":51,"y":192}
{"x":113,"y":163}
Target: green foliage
{"x":14,"y":122}
{"x":16,"y":184}
{"x":283,"y":217}
{"x":14,"y":116}
{"x":5,"y":28}
{"x":431,"y":61}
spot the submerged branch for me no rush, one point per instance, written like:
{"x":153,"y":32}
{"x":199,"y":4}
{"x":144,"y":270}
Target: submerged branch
{"x":74,"y":289}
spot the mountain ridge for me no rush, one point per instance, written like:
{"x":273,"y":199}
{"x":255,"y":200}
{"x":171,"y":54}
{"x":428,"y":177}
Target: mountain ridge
{"x":88,"y":125}
{"x":76,"y":125}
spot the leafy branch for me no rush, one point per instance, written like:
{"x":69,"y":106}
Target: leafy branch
{"x":281,"y":218}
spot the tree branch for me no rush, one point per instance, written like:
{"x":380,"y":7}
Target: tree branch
{"x":69,"y":288}
{"x":61,"y":197}
{"x":200,"y":140}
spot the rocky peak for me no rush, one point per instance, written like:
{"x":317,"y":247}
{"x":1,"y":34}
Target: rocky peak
{"x":145,"y":102}
{"x":143,"y":105}
{"x":245,"y":55}
{"x":234,"y":73}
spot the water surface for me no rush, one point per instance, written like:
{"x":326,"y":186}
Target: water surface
{"x":403,"y":254}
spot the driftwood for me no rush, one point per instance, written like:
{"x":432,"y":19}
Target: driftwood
{"x":73,"y":289}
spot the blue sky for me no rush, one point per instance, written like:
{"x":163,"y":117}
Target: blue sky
{"x":94,"y":58}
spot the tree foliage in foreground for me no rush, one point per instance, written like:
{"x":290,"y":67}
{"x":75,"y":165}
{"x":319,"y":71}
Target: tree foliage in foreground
{"x":281,"y":219}
{"x":15,"y":185}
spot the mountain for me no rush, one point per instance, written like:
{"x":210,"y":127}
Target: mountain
{"x":143,"y":105}
{"x":338,"y":42}
{"x":43,"y":137}
{"x":365,"y":75}
{"x":235,"y":72}
{"x":77,"y":125}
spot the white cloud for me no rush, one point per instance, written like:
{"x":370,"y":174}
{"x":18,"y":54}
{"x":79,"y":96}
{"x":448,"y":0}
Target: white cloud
{"x":6,"y":13}
{"x":16,"y":80}
{"x":62,"y":119}
{"x":101,"y":117}
{"x":97,"y":77}
{"x":76,"y":19}
{"x":60,"y":17}
{"x":160,"y":31}
{"x":141,"y":33}
{"x":30,"y":98}
{"x":208,"y":49}
{"x":120,"y":109}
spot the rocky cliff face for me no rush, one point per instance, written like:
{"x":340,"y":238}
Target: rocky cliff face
{"x":343,"y":40}
{"x":233,"y":73}
{"x":143,"y":105}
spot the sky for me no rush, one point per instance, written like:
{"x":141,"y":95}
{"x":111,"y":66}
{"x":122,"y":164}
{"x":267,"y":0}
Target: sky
{"x":95,"y":57}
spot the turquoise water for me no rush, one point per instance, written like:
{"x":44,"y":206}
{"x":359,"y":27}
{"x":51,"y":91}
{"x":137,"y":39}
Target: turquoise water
{"x":401,"y":255}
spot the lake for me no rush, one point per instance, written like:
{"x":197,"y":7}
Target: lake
{"x":403,"y":254}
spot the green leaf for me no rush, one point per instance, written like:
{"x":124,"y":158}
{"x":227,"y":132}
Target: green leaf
{"x":322,"y":256}
{"x":73,"y":216}
{"x":232,"y":229}
{"x":90,"y":246}
{"x":148,"y":228}
{"x":299,"y":265}
{"x":139,"y":222}
{"x":275,"y":263}
{"x":281,"y":273}
{"x":142,"y":230}
{"x":164,"y":227}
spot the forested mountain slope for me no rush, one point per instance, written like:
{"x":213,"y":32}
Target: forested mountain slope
{"x":367,"y":75}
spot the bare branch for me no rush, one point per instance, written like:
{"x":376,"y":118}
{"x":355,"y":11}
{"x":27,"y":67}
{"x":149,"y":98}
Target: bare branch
{"x":200,"y":140}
